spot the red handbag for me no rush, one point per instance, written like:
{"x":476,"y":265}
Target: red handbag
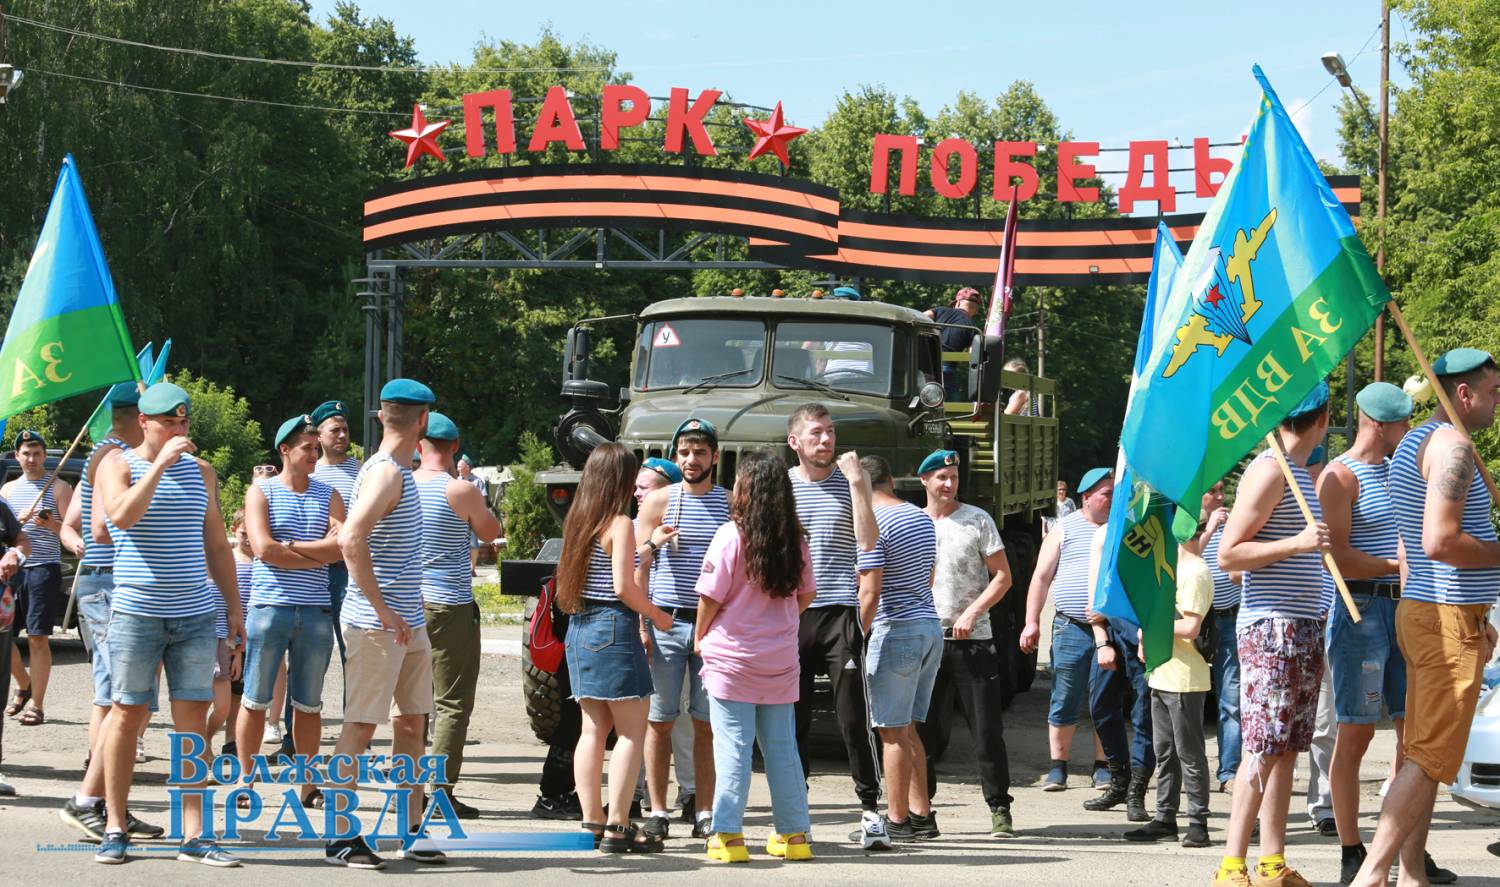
{"x":545,"y":646}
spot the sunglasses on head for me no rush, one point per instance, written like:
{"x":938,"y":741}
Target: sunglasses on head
{"x":265,"y":470}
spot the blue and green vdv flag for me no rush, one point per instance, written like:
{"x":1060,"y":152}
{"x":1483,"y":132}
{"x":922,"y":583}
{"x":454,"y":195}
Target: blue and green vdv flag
{"x":1274,"y":291}
{"x":67,"y":333}
{"x":153,"y":370}
{"x":1137,"y":576}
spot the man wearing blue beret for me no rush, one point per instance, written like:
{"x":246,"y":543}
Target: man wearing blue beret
{"x":388,"y":672}
{"x":1442,"y":512}
{"x":170,"y":543}
{"x":338,"y":469}
{"x":453,"y":512}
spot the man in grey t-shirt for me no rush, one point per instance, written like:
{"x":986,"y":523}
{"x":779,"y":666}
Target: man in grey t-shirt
{"x":971,"y":576}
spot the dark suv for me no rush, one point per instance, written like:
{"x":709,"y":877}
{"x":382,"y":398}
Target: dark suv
{"x":72,"y":470}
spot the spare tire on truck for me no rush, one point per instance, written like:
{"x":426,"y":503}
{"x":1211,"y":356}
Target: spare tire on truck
{"x":539,"y":688}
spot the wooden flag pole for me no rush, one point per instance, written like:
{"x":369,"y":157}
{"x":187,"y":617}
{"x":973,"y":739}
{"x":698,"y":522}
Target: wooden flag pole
{"x":1274,"y":441}
{"x":1442,"y":395}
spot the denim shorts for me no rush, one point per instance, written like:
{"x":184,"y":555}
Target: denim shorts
{"x":1073,"y":659}
{"x":605,"y":657}
{"x":274,"y":631}
{"x":673,"y":662}
{"x":93,"y":591}
{"x":901,"y":665}
{"x":187,"y":647}
{"x":1367,"y":665}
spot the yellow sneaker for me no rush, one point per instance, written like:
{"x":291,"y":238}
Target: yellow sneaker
{"x":1287,"y":877}
{"x":782,"y":846}
{"x":1240,"y":878}
{"x":720,"y":850}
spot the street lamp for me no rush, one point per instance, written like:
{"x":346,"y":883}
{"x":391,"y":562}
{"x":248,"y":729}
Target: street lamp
{"x":1334,"y":64}
{"x":10,"y":78}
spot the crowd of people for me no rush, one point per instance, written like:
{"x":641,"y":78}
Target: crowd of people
{"x":726,"y":605}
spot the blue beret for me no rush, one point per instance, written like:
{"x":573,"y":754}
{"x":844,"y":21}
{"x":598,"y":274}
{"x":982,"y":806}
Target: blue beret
{"x":440,"y":427}
{"x":125,"y":394}
{"x":1315,"y":400}
{"x":166,"y":399}
{"x":937,"y":459}
{"x":668,"y":470}
{"x":701,"y":426}
{"x":1460,"y":360}
{"x":29,"y":436}
{"x":847,"y":292}
{"x":1092,"y":477}
{"x":1318,"y":456}
{"x":467,"y":458}
{"x":327,"y":410}
{"x":293,"y":426}
{"x":407,"y":391}
{"x":1384,"y":402}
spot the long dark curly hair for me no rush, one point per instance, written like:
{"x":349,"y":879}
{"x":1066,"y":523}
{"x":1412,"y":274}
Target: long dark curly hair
{"x":765,"y":510}
{"x":604,"y":492}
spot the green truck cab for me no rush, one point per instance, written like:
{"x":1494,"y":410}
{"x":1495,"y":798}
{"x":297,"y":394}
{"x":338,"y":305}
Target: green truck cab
{"x":745,"y":363}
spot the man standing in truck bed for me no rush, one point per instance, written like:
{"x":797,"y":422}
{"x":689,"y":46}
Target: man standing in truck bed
{"x":833,"y":504}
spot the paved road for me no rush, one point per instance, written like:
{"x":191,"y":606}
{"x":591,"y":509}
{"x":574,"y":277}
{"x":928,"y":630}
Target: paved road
{"x":1059,"y":843}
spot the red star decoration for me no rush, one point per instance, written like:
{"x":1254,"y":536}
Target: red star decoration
{"x":421,"y":138}
{"x":1214,"y":295}
{"x":774,"y":135}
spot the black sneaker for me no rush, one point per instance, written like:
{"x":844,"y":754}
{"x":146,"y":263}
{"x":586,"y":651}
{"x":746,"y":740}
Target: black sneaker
{"x":1349,"y":866}
{"x":901,"y":832}
{"x":231,"y":749}
{"x":656,"y":827}
{"x":1155,"y":830}
{"x":1436,"y":874}
{"x":460,"y":809}
{"x":87,"y":819}
{"x":138,"y":829}
{"x":353,"y":853}
{"x":688,"y":801}
{"x":703,"y":827}
{"x":1327,"y":827}
{"x":425,"y":855}
{"x":553,"y":808}
{"x":1197,"y":835}
{"x":925,"y":827}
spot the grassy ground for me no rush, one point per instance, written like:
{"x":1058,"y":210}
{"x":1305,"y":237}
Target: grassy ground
{"x":498,"y":607}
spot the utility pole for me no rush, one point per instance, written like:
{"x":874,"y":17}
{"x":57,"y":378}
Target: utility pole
{"x":1384,"y":138}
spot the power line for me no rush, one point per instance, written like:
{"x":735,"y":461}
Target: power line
{"x":1332,"y":80}
{"x":387,"y":69}
{"x":223,"y":98}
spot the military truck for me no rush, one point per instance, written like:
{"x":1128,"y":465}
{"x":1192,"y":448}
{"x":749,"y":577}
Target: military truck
{"x":745,"y":363}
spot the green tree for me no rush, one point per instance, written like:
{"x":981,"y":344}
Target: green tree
{"x":226,"y":437}
{"x":528,"y":522}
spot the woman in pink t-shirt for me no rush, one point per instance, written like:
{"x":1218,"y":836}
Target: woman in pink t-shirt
{"x":757,"y":579}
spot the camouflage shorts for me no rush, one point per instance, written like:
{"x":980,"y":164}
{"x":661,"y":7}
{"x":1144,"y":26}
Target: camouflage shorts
{"x":1281,"y":670}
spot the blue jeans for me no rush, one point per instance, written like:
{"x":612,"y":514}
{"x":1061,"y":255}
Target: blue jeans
{"x":1142,"y":747}
{"x":188,"y":647}
{"x":1076,"y":673}
{"x":1368,"y":668}
{"x":674,"y":663}
{"x":738,"y":726}
{"x":303,"y":636}
{"x":1226,"y":680}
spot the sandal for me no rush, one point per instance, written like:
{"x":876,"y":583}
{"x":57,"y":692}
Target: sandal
{"x":18,"y":700}
{"x":629,"y":840}
{"x":31,"y":716}
{"x":596,"y":829}
{"x":721,"y":850}
{"x":313,"y":800}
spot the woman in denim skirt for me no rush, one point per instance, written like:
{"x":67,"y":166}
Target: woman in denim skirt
{"x":607,"y":665}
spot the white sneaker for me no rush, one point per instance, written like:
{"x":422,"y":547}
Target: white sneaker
{"x":1385,"y":786}
{"x":6,"y":789}
{"x":272,"y":735}
{"x":140,"y":750}
{"x":872,"y":832}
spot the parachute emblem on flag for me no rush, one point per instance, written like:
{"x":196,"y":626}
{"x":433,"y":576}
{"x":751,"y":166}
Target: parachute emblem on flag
{"x":1223,"y":298}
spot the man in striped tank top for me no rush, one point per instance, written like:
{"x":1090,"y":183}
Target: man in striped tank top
{"x":1280,"y":640}
{"x":388,"y":673}
{"x":676,"y":525}
{"x":1085,"y":662}
{"x":833,"y":504}
{"x":1368,"y":671}
{"x":1452,"y":574}
{"x":162,"y":507}
{"x":38,"y":587}
{"x":94,"y":585}
{"x":453,"y":511}
{"x":1226,"y":611}
{"x":338,"y":469}
{"x":897,"y":613}
{"x":291,"y":519}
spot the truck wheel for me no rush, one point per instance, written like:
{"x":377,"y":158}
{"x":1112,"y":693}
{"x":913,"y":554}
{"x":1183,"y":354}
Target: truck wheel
{"x":539,"y":688}
{"x":1020,"y":550}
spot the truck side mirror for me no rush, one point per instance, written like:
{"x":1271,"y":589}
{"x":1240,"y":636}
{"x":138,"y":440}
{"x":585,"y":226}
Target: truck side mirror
{"x":985,"y":368}
{"x":576,"y":354}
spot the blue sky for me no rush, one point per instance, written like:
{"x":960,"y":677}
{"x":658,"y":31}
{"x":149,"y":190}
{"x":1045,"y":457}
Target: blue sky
{"x":1111,"y":71}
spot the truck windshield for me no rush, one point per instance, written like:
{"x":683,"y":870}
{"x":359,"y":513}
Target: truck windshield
{"x":844,"y":356}
{"x":684,"y":352}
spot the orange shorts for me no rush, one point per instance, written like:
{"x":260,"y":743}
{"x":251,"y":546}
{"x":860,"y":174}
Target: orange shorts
{"x":1444,"y":649}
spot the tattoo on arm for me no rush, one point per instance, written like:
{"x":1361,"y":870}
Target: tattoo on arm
{"x":1457,"y":473}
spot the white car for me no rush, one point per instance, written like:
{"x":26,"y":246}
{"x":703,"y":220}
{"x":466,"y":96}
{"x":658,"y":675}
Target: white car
{"x":1478,"y":783}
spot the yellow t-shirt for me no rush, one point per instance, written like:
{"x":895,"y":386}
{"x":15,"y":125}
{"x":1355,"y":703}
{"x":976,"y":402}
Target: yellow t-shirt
{"x":1186,"y":672}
